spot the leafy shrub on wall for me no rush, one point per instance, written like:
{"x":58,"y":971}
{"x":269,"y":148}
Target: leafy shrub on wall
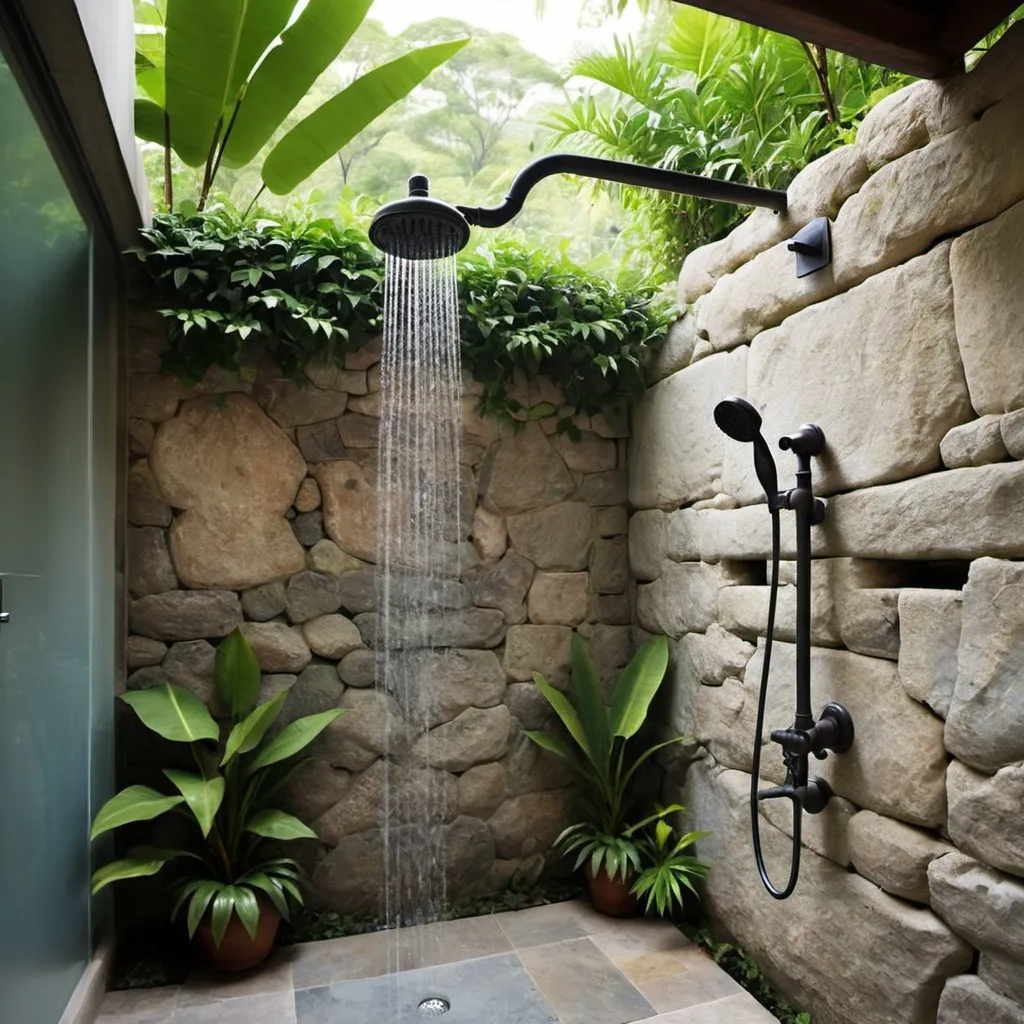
{"x":311,"y":288}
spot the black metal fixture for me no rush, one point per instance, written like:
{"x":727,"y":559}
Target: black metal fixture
{"x":423,"y":228}
{"x":833,"y":730}
{"x":813,"y":246}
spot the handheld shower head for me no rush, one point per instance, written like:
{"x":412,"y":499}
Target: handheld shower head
{"x":419,"y":228}
{"x":738,"y":419}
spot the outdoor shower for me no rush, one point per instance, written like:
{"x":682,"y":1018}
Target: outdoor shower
{"x":419,"y":526}
{"x":833,"y":731}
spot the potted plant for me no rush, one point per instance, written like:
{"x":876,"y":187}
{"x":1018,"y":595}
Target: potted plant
{"x":229,"y":877}
{"x":609,"y":842}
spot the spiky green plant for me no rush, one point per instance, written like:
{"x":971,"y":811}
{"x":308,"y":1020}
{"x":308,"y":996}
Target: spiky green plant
{"x":600,"y":754}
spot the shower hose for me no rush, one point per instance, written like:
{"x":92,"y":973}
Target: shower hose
{"x":755,"y":824}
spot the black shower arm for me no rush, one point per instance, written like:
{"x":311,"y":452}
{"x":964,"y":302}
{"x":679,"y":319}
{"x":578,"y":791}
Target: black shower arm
{"x":626,"y":174}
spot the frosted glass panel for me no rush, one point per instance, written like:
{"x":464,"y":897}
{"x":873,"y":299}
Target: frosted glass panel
{"x":45,"y":566}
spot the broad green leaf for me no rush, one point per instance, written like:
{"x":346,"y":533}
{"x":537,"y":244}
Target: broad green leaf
{"x":263,"y":22}
{"x":318,"y":137}
{"x":308,"y":47}
{"x":271,"y":888}
{"x":556,"y":745}
{"x":136,"y":803}
{"x":149,"y":121}
{"x":273,"y":824}
{"x":201,"y":52}
{"x":248,"y":733}
{"x":237,"y":673}
{"x":203,"y":796}
{"x":293,"y":738}
{"x":200,"y":901}
{"x":590,"y":703}
{"x":223,"y":907}
{"x":565,"y":711}
{"x":248,"y":909}
{"x":173,"y":712}
{"x":637,"y":686}
{"x":131,"y":867}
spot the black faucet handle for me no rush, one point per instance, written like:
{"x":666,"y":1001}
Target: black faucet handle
{"x":807,"y":440}
{"x":813,"y":797}
{"x":776,"y":792}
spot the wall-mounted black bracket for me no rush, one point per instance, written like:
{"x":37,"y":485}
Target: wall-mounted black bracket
{"x":813,"y":247}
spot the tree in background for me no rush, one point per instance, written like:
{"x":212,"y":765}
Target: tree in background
{"x":718,"y":97}
{"x":480,"y":91}
{"x":371,"y":45}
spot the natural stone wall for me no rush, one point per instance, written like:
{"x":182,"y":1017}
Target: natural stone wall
{"x":909,"y":351}
{"x":252,"y":502}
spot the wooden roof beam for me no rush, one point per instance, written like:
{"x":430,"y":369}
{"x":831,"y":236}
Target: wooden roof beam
{"x":879,"y":31}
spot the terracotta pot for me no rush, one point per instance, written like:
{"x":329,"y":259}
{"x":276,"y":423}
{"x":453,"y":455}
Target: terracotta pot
{"x":237,"y":951}
{"x":611,"y":895}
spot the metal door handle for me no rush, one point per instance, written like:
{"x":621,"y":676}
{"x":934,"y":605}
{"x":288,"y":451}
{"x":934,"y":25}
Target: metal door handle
{"x":5,"y":617}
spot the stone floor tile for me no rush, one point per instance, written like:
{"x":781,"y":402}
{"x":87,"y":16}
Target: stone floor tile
{"x":355,"y":956}
{"x":626,"y":939}
{"x":448,"y":942}
{"x":583,"y":985}
{"x":652,"y":966}
{"x":490,"y":990}
{"x":204,"y":985}
{"x":700,"y":980}
{"x":268,"y":1008}
{"x":741,"y":1008}
{"x":537,"y":926}
{"x":139,"y":1006}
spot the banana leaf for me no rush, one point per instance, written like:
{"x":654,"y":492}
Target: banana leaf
{"x":308,"y":47}
{"x":318,"y":137}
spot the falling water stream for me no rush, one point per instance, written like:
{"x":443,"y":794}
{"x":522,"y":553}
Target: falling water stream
{"x":417,"y":566}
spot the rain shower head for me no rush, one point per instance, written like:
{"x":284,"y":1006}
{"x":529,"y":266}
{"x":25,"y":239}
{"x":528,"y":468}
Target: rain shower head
{"x":419,"y":228}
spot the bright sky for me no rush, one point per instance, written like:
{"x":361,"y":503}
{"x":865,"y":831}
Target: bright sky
{"x":556,"y":37}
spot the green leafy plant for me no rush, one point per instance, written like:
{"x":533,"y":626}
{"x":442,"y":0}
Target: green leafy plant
{"x":219,"y":80}
{"x":521,"y":309}
{"x":717,"y":97}
{"x":599,"y":753}
{"x":668,"y":868}
{"x":228,"y":867}
{"x":305,"y":288}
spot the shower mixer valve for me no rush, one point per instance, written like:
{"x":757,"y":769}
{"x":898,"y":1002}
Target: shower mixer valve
{"x":833,"y":730}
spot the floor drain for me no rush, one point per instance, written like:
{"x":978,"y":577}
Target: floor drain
{"x":434,"y":1007}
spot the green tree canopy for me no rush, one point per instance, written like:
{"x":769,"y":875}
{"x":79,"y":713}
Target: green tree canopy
{"x":480,"y":90}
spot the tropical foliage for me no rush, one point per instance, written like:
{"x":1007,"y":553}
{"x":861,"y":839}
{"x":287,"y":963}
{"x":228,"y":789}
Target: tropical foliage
{"x":669,"y":869}
{"x":714,"y":97}
{"x":522,"y":309}
{"x":598,"y":750}
{"x":219,"y":81}
{"x":230,"y":864}
{"x":305,"y":287}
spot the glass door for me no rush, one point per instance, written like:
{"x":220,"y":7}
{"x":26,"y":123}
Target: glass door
{"x":56,"y":686}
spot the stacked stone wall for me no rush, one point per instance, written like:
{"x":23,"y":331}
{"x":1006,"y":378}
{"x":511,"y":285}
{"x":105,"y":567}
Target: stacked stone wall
{"x":253,"y":504}
{"x":909,"y":351}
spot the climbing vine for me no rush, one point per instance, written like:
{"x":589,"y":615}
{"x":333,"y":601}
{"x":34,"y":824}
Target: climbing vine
{"x":308,"y":287}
